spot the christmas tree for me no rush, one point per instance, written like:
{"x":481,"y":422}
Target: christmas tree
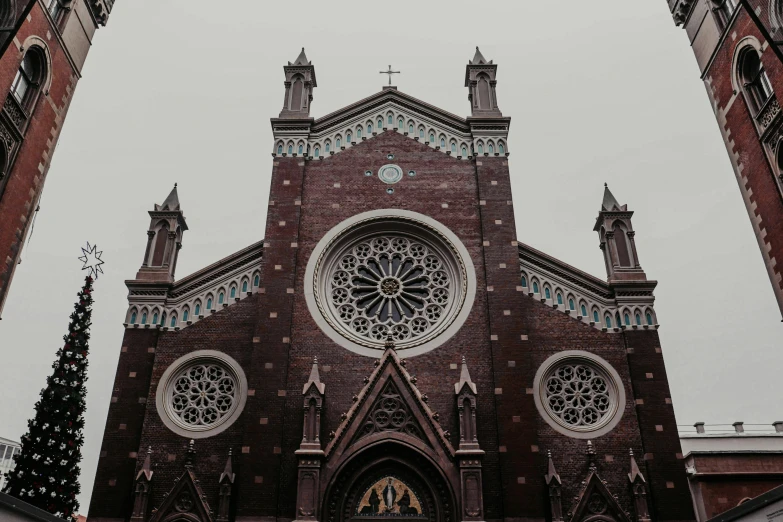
{"x":46,"y":474}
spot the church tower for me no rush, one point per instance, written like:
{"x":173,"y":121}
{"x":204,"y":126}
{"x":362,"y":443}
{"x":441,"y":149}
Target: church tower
{"x":44,"y":47}
{"x":391,"y":349}
{"x":737,"y":45}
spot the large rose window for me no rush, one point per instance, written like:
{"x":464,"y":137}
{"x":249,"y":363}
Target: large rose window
{"x":389,"y":278}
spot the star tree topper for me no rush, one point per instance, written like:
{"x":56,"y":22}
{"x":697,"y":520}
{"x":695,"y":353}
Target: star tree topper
{"x":92,"y":260}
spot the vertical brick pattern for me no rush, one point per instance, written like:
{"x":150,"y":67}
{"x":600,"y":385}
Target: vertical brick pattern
{"x":664,"y":446}
{"x":125,"y":408}
{"x":520,"y":439}
{"x":278,"y":270}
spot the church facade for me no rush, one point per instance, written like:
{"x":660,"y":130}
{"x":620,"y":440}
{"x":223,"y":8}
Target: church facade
{"x":391,"y":349}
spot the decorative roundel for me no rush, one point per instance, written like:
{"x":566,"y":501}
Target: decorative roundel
{"x":390,"y":273}
{"x":390,"y":174}
{"x":201,"y":394}
{"x":579,"y":394}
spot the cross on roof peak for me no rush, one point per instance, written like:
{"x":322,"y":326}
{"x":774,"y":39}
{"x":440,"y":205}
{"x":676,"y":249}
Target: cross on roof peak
{"x":390,"y":72}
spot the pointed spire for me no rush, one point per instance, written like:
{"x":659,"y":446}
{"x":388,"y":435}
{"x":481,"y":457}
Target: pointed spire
{"x":478,"y":58}
{"x":315,"y":379}
{"x":635,"y":474}
{"x":171,"y":202}
{"x":464,"y":379}
{"x":191,"y":454}
{"x":301,"y":59}
{"x":146,"y":468}
{"x":228,"y":471}
{"x":610,"y":202}
{"x":551,"y":472}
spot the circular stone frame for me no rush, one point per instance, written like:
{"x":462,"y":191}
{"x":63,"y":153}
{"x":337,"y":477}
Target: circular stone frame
{"x":390,"y":174}
{"x":376,"y":217}
{"x":578,"y":356}
{"x":209,"y":356}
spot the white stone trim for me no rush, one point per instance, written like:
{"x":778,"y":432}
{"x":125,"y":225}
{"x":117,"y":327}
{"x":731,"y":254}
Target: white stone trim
{"x":592,"y":360}
{"x":379,"y":215}
{"x":174,"y":369}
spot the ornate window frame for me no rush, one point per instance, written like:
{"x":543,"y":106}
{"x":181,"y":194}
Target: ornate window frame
{"x":592,"y":360}
{"x":173,"y":371}
{"x":429,"y":225}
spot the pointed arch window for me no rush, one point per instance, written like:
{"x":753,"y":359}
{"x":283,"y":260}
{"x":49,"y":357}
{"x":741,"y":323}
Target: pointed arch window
{"x":300,"y":150}
{"x":627,"y":319}
{"x":133,"y":317}
{"x":491,"y":149}
{"x":290,"y":149}
{"x":27,"y":81}
{"x":144,"y":318}
{"x":571,"y":305}
{"x":327,"y":147}
{"x":185,"y":315}
{"x":443,"y":143}
{"x":209,"y":303}
{"x":257,"y":280}
{"x":608,"y":322}
{"x":547,"y":293}
{"x":535,"y":287}
{"x":358,"y":133}
{"x":481,"y":148}
{"x":421,"y":133}
{"x":524,"y":281}
{"x":453,"y":148}
{"x":244,"y":286}
{"x":638,"y":320}
{"x":280,"y":149}
{"x":233,"y":293}
{"x":173,"y":320}
{"x":410,"y":129}
{"x":155,"y":318}
{"x":400,"y":123}
{"x":649,"y":319}
{"x":559,"y":298}
{"x":380,"y":124}
{"x":432,"y":137}
{"x":369,"y":128}
{"x":754,"y":80}
{"x":348,"y":138}
{"x":464,"y":152}
{"x":317,"y":152}
{"x":595,"y":317}
{"x":584,"y":311}
{"x":221,"y":298}
{"x":337,"y":142}
{"x":501,"y":149}
{"x":390,"y":119}
{"x":197,"y":310}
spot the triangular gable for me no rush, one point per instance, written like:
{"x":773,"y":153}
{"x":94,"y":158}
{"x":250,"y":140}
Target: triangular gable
{"x":596,"y":500}
{"x":186,"y":499}
{"x":390,"y":382}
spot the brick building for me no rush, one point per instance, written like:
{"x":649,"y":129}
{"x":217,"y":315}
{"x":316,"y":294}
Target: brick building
{"x":39,"y":69}
{"x":737,"y":44}
{"x":391,"y":348}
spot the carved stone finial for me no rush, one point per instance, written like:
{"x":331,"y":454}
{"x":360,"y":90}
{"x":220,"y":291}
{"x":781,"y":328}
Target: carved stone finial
{"x":389,"y":343}
{"x":191,"y":454}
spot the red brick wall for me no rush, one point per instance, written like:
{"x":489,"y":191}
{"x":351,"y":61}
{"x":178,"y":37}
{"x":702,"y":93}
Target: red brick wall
{"x":25,"y":179}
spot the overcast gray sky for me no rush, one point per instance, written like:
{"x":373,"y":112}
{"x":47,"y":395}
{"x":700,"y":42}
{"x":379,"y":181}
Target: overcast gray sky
{"x":182,"y":91}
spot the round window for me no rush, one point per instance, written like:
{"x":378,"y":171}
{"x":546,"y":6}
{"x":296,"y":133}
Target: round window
{"x":390,"y":174}
{"x":390,"y":273}
{"x":201,"y":394}
{"x":579,"y":394}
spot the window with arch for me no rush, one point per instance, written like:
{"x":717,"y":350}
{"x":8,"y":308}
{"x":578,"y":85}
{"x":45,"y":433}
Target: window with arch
{"x":596,"y":320}
{"x":410,"y":128}
{"x":28,"y":79}
{"x":337,"y":142}
{"x":442,"y":142}
{"x":501,"y":149}
{"x":754,"y":79}
{"x":197,"y":309}
{"x":144,"y":317}
{"x":317,"y":152}
{"x":244,"y":286}
{"x":185,"y":315}
{"x":173,"y":320}
{"x":369,"y":128}
{"x":133,"y":317}
{"x":327,"y":146}
{"x":280,"y":149}
{"x":348,"y":137}
{"x":724,"y":9}
{"x":390,"y":119}
{"x":649,"y":319}
{"x":421,"y":133}
{"x":638,"y":319}
{"x":491,"y":148}
{"x":453,"y":148}
{"x":221,"y":298}
{"x":608,"y":322}
{"x":432,"y":137}
{"x":571,"y":305}
{"x":627,"y":319}
{"x":559,"y":298}
{"x":300,"y":150}
{"x":584,"y":311}
{"x":257,"y":280}
{"x":233,"y":292}
{"x":623,"y":245}
{"x":155,"y":318}
{"x":209,"y":303}
{"x":481,"y":148}
{"x":380,"y":124}
{"x":524,"y":281}
{"x":535,"y":287}
{"x":400,"y":123}
{"x":358,"y":133}
{"x":547,"y":293}
{"x":464,"y":152}
{"x":290,"y":149}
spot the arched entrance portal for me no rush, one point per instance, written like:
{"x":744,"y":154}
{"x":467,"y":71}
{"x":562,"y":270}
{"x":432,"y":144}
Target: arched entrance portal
{"x":389,"y":480}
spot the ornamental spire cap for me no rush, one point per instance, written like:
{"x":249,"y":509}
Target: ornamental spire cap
{"x":315,"y":379}
{"x":551,"y":471}
{"x":228,"y":471}
{"x":301,"y":59}
{"x":478,"y":58}
{"x":146,"y":468}
{"x":171,"y":202}
{"x":635,"y":474}
{"x":464,"y":379}
{"x":610,"y":203}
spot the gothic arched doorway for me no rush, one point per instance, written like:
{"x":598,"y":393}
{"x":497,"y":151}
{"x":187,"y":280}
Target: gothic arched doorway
{"x":386,"y":481}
